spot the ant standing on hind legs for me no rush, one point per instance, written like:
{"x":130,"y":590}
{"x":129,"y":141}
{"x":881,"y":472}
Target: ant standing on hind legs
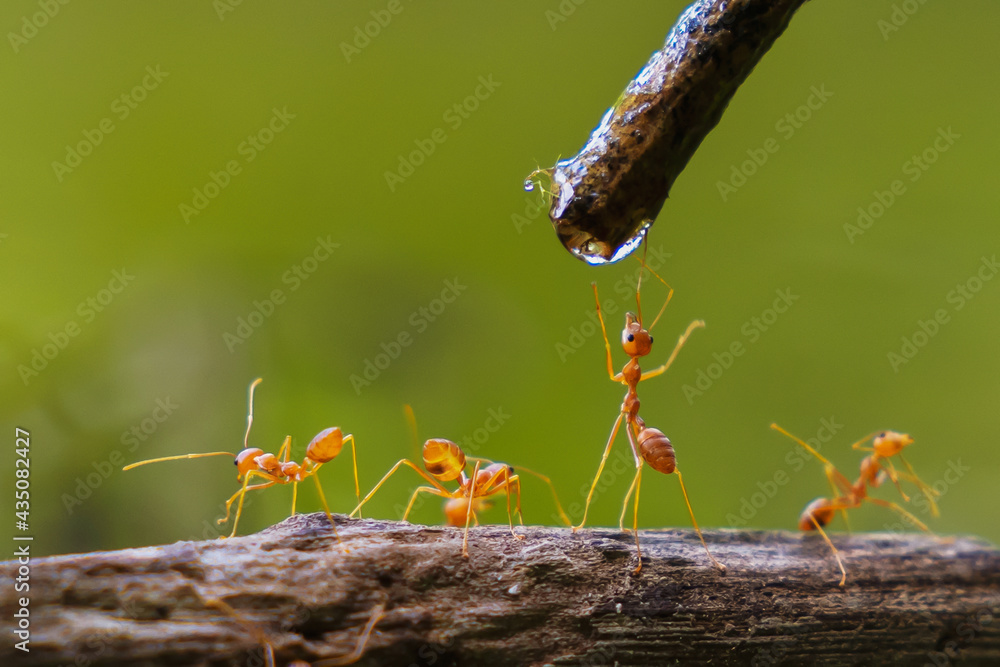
{"x":253,"y":462}
{"x":648,"y":444}
{"x":875,"y":468}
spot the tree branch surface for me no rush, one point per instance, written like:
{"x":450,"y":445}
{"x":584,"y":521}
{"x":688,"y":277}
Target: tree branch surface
{"x":554,"y":597}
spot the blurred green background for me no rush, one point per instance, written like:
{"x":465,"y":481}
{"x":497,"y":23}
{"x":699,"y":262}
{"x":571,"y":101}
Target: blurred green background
{"x":518,"y":338}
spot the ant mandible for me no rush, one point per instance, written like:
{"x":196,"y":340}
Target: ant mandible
{"x":253,"y":462}
{"x":648,"y":444}
{"x":445,"y":461}
{"x":875,"y":468}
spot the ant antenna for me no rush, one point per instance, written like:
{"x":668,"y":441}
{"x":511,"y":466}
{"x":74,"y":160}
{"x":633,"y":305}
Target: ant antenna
{"x":670,"y":294}
{"x":562,"y":514}
{"x":638,"y":283}
{"x":246,"y":437}
{"x":411,"y":420}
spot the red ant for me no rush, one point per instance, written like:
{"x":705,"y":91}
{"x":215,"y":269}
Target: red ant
{"x":253,"y":462}
{"x":875,"y":468}
{"x":445,"y":461}
{"x":648,"y":444}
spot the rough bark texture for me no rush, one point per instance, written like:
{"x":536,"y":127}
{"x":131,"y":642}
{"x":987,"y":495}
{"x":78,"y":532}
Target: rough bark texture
{"x":554,"y":597}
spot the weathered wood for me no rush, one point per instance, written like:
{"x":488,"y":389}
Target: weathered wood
{"x":554,"y":597}
{"x":605,"y":197}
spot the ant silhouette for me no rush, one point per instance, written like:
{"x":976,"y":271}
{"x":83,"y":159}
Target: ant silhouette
{"x":648,"y":444}
{"x":446,"y":462}
{"x":255,"y":463}
{"x":875,"y":468}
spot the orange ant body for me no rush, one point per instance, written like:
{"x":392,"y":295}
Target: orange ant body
{"x":445,"y":461}
{"x":253,"y":462}
{"x":648,"y":444}
{"x":875,"y":468}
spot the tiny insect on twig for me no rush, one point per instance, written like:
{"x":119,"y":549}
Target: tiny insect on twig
{"x":875,"y":468}
{"x":446,"y":462}
{"x":648,"y":444}
{"x":255,"y":463}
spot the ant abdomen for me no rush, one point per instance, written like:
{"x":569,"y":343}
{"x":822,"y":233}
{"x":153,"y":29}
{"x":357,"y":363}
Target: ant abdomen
{"x":443,"y":459}
{"x":326,"y":445}
{"x":657,"y":451}
{"x":820,"y":511}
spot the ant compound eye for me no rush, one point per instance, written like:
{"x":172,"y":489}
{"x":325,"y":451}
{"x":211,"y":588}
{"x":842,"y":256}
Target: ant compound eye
{"x":650,"y":340}
{"x":631,"y":338}
{"x":882,"y":434}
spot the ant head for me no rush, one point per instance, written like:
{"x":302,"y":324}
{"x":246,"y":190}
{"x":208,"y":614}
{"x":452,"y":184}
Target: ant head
{"x":890,"y":443}
{"x":501,"y":471}
{"x":443,"y":459}
{"x":246,"y":460}
{"x":636,"y":341}
{"x":326,"y":445}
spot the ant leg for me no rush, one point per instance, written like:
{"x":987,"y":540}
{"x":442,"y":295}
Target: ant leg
{"x":902,"y":512}
{"x":697,"y":324}
{"x":857,"y":445}
{"x":413,"y":498}
{"x":329,"y":516}
{"x":494,"y":484}
{"x":694,"y":522}
{"x":236,"y":495}
{"x":285,"y":450}
{"x":600,"y":469}
{"x":510,"y":517}
{"x":520,"y":514}
{"x":929,"y":492}
{"x":893,"y":475}
{"x":354,"y":460}
{"x":389,"y":474}
{"x":635,"y":520}
{"x":378,"y":613}
{"x":243,"y":492}
{"x":832,"y":473}
{"x":631,"y":488}
{"x":555,"y":496}
{"x":630,"y":429}
{"x":284,"y":453}
{"x":604,"y":332}
{"x":836,"y":554}
{"x":468,"y":511}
